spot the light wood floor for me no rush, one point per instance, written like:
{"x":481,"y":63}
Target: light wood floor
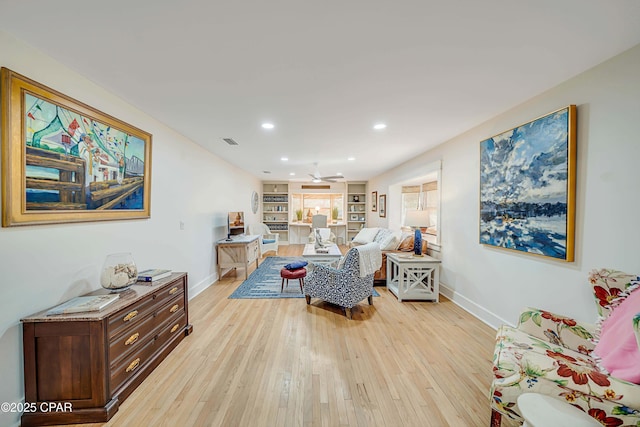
{"x":279,"y":362}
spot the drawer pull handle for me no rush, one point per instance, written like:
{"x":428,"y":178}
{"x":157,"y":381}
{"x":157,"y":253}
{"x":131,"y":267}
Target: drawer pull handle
{"x":174,"y":308}
{"x":130,"y":316}
{"x":175,"y":328}
{"x":173,"y":290}
{"x":133,"y":365}
{"x":133,"y":338}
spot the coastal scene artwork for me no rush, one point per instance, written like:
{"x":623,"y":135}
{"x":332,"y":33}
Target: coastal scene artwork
{"x":65,"y":162}
{"x":527,"y":187}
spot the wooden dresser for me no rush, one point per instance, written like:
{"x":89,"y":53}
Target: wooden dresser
{"x":93,"y":361}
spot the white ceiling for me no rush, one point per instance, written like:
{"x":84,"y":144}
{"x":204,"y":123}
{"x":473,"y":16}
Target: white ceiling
{"x":324,"y":72}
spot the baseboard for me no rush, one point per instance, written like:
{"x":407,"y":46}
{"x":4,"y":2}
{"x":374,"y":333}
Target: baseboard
{"x":195,"y":290}
{"x":481,"y":313}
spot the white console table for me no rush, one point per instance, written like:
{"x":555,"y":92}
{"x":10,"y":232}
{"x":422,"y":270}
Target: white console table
{"x":411,"y":277}
{"x":240,"y":251}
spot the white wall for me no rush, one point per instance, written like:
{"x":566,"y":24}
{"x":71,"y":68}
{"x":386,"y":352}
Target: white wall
{"x":495,"y":284}
{"x":43,"y":265}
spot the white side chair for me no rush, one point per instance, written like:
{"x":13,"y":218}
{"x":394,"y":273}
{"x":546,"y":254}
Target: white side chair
{"x":319,"y":221}
{"x":268,"y":240}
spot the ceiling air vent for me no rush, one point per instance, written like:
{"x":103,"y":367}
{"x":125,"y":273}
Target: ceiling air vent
{"x":229,"y":141}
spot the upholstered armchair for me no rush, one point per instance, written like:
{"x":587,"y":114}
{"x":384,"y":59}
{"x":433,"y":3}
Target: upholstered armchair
{"x":560,"y":357}
{"x":268,"y":240}
{"x":344,"y":285}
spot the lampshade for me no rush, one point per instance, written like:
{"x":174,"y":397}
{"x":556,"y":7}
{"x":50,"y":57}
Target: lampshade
{"x":417,"y":219}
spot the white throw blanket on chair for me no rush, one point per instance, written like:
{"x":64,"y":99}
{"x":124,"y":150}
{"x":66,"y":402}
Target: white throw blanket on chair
{"x":370,"y":258}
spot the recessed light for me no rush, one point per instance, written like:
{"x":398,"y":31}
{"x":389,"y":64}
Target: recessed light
{"x":339,"y":173}
{"x":268,"y":125}
{"x":379,"y":126}
{"x":316,"y":180}
{"x":284,"y":159}
{"x":292,"y":173}
{"x":351,"y":159}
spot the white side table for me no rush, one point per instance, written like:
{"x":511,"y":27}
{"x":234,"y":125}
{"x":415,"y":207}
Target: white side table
{"x":539,"y":410}
{"x":413,"y":277}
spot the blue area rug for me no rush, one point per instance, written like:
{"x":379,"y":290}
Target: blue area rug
{"x":265,"y":282}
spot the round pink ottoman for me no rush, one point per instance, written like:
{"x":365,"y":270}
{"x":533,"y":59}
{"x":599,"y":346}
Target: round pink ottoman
{"x":298,"y":273}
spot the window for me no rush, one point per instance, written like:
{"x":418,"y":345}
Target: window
{"x":421,"y":197}
{"x":330,"y":205}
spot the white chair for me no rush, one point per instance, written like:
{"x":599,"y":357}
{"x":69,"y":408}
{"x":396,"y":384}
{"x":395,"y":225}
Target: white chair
{"x":319,"y":221}
{"x":268,"y":240}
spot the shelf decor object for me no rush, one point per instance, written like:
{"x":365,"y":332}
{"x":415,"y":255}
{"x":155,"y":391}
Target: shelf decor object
{"x":528,"y":187}
{"x":63,"y":161}
{"x":119,"y":272}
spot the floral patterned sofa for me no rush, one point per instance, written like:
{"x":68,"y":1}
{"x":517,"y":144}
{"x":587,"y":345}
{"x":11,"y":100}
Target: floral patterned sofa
{"x":553,"y":355}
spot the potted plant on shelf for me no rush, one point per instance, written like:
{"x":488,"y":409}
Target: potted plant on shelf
{"x":299,"y":214}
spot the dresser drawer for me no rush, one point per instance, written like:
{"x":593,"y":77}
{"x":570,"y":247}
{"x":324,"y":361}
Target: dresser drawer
{"x":136,"y":334}
{"x":131,"y":338}
{"x":177,"y":289}
{"x":170,"y":309}
{"x":130,"y":316}
{"x":171,"y":329}
{"x":129,"y":366}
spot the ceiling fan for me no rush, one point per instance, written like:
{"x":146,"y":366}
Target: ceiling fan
{"x":319,"y":178}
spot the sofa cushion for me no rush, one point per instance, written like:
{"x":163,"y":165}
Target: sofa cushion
{"x":617,"y":347}
{"x":406,"y":244}
{"x":513,"y":343}
{"x":366,"y":235}
{"x":387,"y":239}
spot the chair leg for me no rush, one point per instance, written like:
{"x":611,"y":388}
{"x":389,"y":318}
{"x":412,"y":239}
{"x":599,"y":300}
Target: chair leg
{"x":282,"y":286}
{"x":301,"y":283}
{"x":496,"y":418}
{"x":308,"y":298}
{"x":370,"y":298}
{"x":347,"y":312}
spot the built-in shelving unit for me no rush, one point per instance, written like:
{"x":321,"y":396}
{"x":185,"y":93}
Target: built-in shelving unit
{"x":356,"y":215}
{"x":275,"y":208}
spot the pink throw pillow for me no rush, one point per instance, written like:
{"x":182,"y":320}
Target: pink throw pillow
{"x":618,"y":347}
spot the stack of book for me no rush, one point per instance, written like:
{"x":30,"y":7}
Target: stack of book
{"x":153,"y":274}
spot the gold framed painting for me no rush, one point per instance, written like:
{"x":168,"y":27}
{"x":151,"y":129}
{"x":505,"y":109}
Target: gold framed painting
{"x":63,"y":161}
{"x":528,"y":187}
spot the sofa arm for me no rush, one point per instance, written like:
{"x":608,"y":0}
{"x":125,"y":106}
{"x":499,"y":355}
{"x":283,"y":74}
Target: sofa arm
{"x":557,"y":329}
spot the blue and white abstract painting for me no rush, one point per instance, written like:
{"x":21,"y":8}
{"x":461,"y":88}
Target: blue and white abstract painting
{"x":526,"y":187}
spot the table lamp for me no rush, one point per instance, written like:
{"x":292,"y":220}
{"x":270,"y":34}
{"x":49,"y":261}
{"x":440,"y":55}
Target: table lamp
{"x":417,"y":219}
